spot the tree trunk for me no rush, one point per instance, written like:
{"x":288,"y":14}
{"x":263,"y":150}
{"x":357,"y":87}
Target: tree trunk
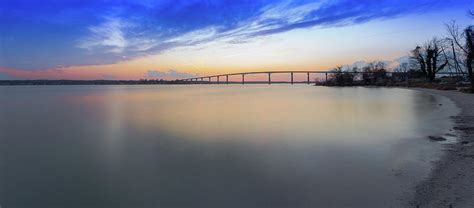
{"x":470,"y":56}
{"x":429,"y":65}
{"x":469,"y":71}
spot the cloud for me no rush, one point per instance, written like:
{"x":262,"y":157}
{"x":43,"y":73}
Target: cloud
{"x":286,"y":17}
{"x":107,"y":35}
{"x":403,"y":59}
{"x":196,"y":36}
{"x":389,"y":64}
{"x":170,"y":74}
{"x":163,"y":26}
{"x":105,"y":32}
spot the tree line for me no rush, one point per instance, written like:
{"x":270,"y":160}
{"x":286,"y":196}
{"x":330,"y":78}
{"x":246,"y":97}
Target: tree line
{"x":453,"y":54}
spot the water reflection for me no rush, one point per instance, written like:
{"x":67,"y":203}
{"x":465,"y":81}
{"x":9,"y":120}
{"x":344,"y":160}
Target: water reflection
{"x":215,"y":146}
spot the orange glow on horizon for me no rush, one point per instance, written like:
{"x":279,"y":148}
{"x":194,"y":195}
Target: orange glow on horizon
{"x":138,"y":68}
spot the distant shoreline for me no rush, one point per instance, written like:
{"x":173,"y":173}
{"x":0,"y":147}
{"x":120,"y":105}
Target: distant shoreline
{"x":124,"y":82}
{"x":84,"y":82}
{"x":451,"y":181}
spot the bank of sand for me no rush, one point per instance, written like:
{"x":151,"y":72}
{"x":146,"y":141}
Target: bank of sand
{"x":451,"y":182}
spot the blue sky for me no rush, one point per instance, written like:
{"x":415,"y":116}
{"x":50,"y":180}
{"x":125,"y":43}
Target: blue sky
{"x":58,"y":34}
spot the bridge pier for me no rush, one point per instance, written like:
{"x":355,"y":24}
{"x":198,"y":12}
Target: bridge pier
{"x":219,"y":80}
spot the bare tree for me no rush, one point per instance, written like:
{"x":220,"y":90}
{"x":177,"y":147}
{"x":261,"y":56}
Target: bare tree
{"x":374,"y":73}
{"x":404,"y":67}
{"x":454,"y":39}
{"x":340,"y":77}
{"x":418,"y":58}
{"x":464,"y":40}
{"x":470,"y":54}
{"x":356,"y":76}
{"x":401,"y":72}
{"x":431,"y":58}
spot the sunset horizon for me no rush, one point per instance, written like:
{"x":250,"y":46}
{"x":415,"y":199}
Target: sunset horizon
{"x":131,"y":40}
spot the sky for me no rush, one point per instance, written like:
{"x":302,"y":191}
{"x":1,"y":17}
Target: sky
{"x":174,"y":39}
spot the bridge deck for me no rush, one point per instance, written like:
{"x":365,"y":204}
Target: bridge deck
{"x":269,"y":73}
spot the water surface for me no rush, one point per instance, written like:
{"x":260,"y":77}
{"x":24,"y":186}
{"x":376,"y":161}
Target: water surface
{"x":215,"y":146}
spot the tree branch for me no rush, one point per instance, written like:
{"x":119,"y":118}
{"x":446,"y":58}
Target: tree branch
{"x":453,"y":31}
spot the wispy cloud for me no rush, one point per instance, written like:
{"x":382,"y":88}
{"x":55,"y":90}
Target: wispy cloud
{"x":196,"y":36}
{"x":389,"y":64}
{"x":108,"y":36}
{"x":105,"y":32}
{"x":270,"y":18}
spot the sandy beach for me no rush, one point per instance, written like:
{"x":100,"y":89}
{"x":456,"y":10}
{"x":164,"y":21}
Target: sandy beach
{"x":451,"y":182}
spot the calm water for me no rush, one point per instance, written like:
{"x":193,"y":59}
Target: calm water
{"x":215,"y":146}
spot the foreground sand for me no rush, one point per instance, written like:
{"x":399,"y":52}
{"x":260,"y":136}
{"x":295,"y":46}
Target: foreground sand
{"x":452,"y":180}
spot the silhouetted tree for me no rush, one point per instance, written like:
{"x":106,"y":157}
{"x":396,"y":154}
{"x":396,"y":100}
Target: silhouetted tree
{"x":356,"y":75}
{"x":464,"y":40}
{"x":402,"y":71}
{"x":431,"y":58}
{"x":367,"y":75}
{"x":470,"y":53}
{"x":341,"y":77}
{"x":456,"y":52}
{"x":419,"y":59}
{"x":374,"y":73}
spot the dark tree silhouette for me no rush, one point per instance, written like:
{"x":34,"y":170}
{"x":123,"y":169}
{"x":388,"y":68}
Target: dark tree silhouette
{"x":470,"y":54}
{"x":374,"y":73}
{"x":430,"y":58}
{"x":419,"y":58}
{"x":455,"y":51}
{"x":464,"y":40}
{"x":341,"y":77}
{"x":402,"y":71}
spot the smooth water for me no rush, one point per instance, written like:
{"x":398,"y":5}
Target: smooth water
{"x":215,"y":146}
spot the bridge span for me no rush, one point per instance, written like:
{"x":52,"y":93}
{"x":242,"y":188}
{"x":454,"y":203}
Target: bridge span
{"x":217,"y":78}
{"x":209,"y":79}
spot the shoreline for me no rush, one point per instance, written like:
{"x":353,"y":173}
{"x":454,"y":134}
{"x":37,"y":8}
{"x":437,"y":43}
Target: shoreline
{"x":451,"y":182}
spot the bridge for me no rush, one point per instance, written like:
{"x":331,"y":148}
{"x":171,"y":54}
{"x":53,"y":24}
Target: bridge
{"x":217,"y":78}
